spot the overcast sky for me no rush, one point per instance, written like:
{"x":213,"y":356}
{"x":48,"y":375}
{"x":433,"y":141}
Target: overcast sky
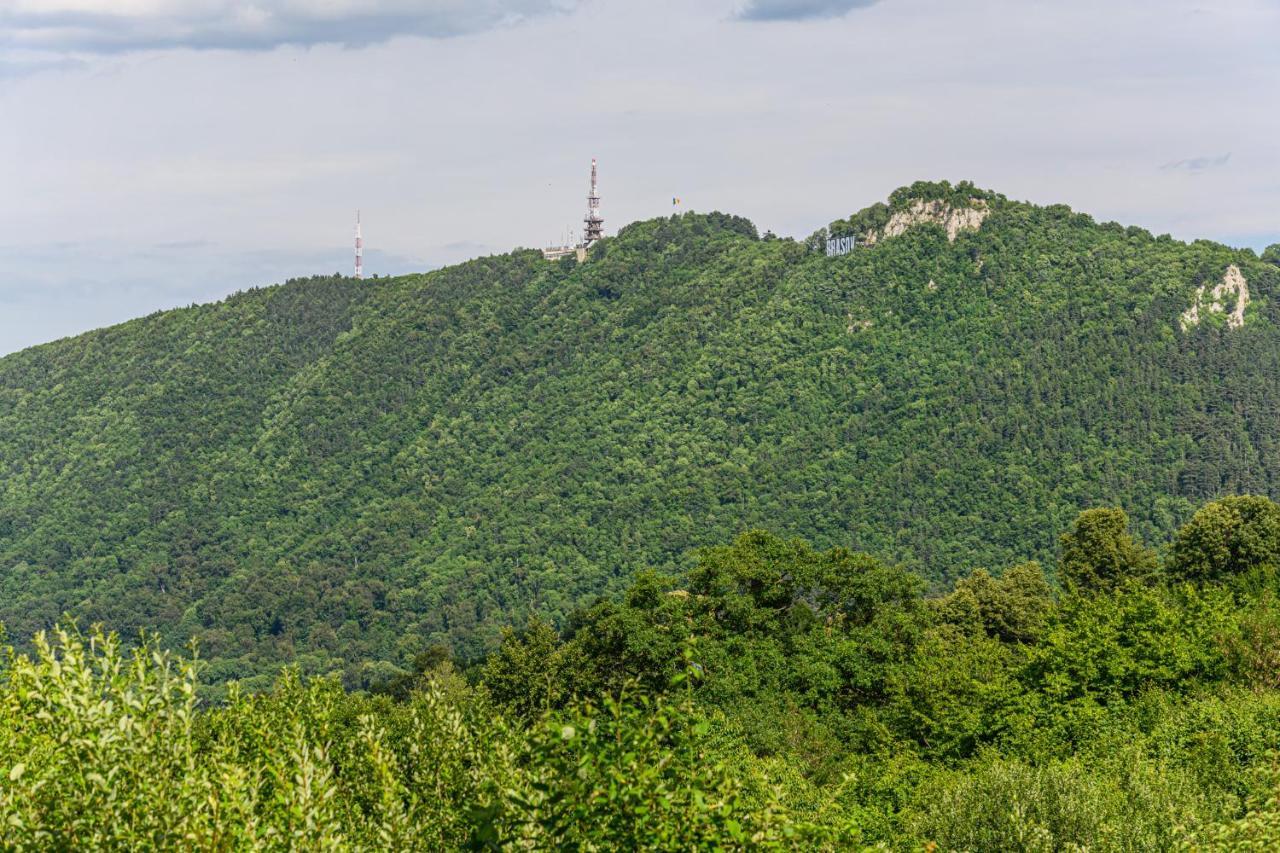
{"x":159,"y":152}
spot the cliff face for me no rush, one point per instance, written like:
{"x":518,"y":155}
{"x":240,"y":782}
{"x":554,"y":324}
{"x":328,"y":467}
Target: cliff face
{"x":1216,"y":301}
{"x":952,"y":218}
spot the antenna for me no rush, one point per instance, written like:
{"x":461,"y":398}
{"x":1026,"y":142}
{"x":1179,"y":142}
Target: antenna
{"x":593,"y":221}
{"x":359,"y":248}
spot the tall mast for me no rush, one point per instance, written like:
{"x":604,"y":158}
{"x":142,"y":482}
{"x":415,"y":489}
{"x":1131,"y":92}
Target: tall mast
{"x":359,"y":248}
{"x":594,"y":223}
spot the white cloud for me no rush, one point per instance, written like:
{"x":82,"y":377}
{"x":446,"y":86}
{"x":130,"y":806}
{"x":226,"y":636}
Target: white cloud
{"x":62,"y":27}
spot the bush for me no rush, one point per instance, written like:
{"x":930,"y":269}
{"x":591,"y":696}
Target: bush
{"x":1012,"y":806}
{"x":103,"y":749}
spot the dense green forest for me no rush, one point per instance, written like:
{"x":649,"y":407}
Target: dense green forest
{"x":776,"y":696}
{"x":345,"y":474}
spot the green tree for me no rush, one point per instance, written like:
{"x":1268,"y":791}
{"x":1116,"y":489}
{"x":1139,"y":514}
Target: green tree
{"x":1098,"y":554}
{"x":1012,"y":608}
{"x":1115,"y":645}
{"x":1252,"y":647}
{"x":956,"y":694}
{"x":525,"y":673}
{"x":1235,"y":535}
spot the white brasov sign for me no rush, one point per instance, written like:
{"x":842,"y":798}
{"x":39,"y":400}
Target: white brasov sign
{"x":841,"y":246}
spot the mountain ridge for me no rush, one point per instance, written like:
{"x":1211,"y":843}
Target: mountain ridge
{"x":341,"y":473}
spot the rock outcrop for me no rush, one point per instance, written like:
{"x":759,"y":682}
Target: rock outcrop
{"x":953,"y":219}
{"x":1215,"y":301}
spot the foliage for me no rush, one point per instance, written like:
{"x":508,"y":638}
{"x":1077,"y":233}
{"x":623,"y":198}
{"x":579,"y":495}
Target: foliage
{"x":106,"y":750}
{"x":776,"y":697}
{"x":1009,"y":805}
{"x":1098,"y":554}
{"x":1013,"y":607}
{"x":345,"y":474}
{"x":629,"y":774}
{"x":1235,"y":535}
{"x":1258,"y":829}
{"x":526,"y":673}
{"x":1252,"y":647}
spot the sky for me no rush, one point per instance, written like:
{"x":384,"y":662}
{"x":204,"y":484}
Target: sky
{"x":156,"y":153}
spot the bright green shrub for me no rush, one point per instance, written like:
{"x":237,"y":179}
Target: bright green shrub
{"x":1256,"y":830}
{"x":1131,"y":805}
{"x":97,"y":749}
{"x":103,"y":749}
{"x":634,"y":774}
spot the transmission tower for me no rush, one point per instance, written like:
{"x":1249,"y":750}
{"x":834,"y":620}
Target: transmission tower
{"x":593,"y":221}
{"x":359,"y":248}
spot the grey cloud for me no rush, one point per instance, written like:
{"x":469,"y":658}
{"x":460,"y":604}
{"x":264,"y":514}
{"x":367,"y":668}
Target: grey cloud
{"x":23,"y":66}
{"x":1198,"y":164}
{"x":467,"y":246}
{"x":457,"y":145}
{"x":62,"y":27}
{"x":797,"y":10}
{"x":182,"y":244}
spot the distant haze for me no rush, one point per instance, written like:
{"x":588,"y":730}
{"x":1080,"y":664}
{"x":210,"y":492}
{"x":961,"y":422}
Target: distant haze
{"x":155,"y":152}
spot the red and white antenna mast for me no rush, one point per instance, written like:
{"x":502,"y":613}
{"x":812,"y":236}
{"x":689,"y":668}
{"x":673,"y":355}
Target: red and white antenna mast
{"x":359,"y":248}
{"x":593,"y":221}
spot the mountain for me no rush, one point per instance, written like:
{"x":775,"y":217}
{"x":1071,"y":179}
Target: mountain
{"x":344,"y":472}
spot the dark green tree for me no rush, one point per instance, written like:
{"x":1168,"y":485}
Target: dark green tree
{"x":1098,"y":554}
{"x":526,"y":672}
{"x":1232,"y":536}
{"x":1011,"y":608}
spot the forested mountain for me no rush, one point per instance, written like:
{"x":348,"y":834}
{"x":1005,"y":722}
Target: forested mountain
{"x":345,"y":472}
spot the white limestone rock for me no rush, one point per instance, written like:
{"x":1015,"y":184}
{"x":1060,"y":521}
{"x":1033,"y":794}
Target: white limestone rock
{"x":1233,"y":287}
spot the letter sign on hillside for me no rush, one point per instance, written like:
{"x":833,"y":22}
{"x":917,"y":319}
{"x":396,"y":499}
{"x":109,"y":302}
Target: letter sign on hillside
{"x":841,"y":246}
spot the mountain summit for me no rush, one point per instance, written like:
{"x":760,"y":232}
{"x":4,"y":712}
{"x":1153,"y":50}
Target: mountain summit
{"x":336,"y":472}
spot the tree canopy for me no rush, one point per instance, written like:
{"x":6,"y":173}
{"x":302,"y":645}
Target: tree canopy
{"x":345,"y":474}
{"x":776,"y":696}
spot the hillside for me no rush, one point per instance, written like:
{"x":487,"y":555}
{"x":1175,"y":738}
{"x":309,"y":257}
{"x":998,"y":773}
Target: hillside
{"x":343,"y":473}
{"x":773,"y":698}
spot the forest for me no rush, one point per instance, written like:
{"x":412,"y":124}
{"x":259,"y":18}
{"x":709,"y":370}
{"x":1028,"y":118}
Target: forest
{"x":777,"y":696}
{"x":343,"y":475}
